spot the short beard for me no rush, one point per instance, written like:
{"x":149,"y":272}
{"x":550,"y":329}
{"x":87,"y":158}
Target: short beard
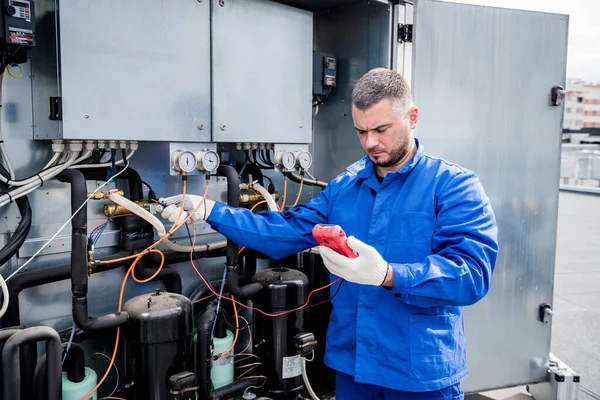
{"x":395,"y":157}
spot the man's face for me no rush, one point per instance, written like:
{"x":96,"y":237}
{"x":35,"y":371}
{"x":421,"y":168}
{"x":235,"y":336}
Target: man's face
{"x":384,"y":134}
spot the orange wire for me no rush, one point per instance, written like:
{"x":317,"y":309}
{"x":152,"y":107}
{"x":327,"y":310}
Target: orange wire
{"x":299,"y":191}
{"x":138,"y":257}
{"x":284,"y":194}
{"x":237,"y":326}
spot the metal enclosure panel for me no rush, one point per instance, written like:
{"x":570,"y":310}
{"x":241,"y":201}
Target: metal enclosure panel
{"x":44,"y":71}
{"x":262,"y":78}
{"x":358,"y":36}
{"x":136,"y":69}
{"x":482,"y":79}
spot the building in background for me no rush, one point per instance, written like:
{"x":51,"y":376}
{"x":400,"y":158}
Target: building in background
{"x":582,"y":108}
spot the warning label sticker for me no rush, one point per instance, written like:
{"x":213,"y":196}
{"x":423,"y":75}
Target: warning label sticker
{"x":291,"y":367}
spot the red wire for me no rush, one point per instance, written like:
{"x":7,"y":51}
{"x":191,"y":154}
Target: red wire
{"x":242,"y":304}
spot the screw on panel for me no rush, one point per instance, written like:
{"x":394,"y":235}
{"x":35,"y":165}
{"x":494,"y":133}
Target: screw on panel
{"x":222,"y":3}
{"x":200,"y":126}
{"x":86,"y":116}
{"x":300,"y":126}
{"x":223,"y":126}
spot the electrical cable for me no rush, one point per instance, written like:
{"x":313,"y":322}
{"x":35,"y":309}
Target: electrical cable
{"x":98,"y":354}
{"x":237,"y":324}
{"x":66,"y":222}
{"x":69,"y":344}
{"x":5,"y":296}
{"x":104,"y":165}
{"x":305,"y":305}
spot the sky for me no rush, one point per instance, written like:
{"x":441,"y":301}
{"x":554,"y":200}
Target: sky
{"x":583,"y":59}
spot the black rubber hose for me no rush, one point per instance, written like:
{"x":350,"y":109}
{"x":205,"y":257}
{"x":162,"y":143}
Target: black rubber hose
{"x":18,"y":238}
{"x":11,"y":361}
{"x":28,"y":359}
{"x":240,"y":292}
{"x":79,"y":267}
{"x":203,"y":353}
{"x":233,"y":190}
{"x":74,"y":364}
{"x":233,"y":198}
{"x":234,"y":389}
{"x":294,"y":177}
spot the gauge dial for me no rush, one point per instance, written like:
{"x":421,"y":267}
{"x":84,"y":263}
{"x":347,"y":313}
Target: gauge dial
{"x":286,"y":160}
{"x":303,"y":159}
{"x":184,"y":161}
{"x":208,"y":161}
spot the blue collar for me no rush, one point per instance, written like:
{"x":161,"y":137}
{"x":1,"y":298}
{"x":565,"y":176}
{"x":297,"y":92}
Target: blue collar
{"x":364,"y":168}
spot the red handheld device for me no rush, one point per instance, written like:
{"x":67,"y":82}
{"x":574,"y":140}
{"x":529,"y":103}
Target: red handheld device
{"x":334,"y":237}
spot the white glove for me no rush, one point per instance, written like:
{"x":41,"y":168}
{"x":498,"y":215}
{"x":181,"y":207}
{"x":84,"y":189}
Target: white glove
{"x":191,"y":202}
{"x":369,"y":268}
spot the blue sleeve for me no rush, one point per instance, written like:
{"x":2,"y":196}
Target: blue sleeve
{"x":275,"y":234}
{"x":465,"y":250}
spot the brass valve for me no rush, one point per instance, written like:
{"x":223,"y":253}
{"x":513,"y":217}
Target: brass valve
{"x":104,"y":195}
{"x":250,"y":196}
{"x":109,"y":208}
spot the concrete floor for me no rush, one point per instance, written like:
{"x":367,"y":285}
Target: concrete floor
{"x":576,"y":324}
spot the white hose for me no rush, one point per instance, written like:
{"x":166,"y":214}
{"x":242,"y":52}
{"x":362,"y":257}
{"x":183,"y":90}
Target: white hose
{"x":119,"y":162}
{"x":9,"y":166}
{"x":311,"y":392}
{"x":5,"y":295}
{"x":160,"y":228}
{"x":39,"y":178}
{"x":86,"y":154}
{"x":52,"y":161}
{"x":267,"y":196}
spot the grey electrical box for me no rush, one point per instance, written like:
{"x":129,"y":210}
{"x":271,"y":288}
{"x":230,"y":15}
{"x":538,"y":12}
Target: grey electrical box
{"x":140,"y":71}
{"x":262,"y":72}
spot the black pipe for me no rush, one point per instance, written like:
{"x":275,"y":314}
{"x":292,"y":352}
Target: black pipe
{"x":168,"y":275}
{"x":203,"y":353}
{"x":79,"y":267}
{"x":11,"y":361}
{"x":294,"y":177}
{"x":202,"y":290}
{"x":233,"y":191}
{"x":240,"y":292}
{"x":28,"y":359}
{"x":74,"y":366}
{"x":39,"y":277}
{"x":233,"y":198}
{"x":234,"y":389}
{"x":136,"y":189}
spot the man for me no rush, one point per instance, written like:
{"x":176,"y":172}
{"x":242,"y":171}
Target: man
{"x":427,"y":243}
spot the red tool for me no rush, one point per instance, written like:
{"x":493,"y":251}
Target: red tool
{"x":334,"y":237}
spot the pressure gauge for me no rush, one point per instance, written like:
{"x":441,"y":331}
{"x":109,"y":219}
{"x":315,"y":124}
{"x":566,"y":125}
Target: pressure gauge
{"x":303,"y":159}
{"x":184,"y":161}
{"x":208,"y":161}
{"x":286,"y":160}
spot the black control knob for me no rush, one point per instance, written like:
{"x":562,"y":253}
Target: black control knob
{"x":10,"y":10}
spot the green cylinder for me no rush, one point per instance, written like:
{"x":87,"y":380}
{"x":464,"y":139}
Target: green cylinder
{"x":76,"y":390}
{"x":221,"y":373}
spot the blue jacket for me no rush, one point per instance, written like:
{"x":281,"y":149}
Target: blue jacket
{"x":432,"y":221}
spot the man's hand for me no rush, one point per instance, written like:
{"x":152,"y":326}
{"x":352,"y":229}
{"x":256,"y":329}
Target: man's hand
{"x":191,"y":203}
{"x":369,"y":268}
